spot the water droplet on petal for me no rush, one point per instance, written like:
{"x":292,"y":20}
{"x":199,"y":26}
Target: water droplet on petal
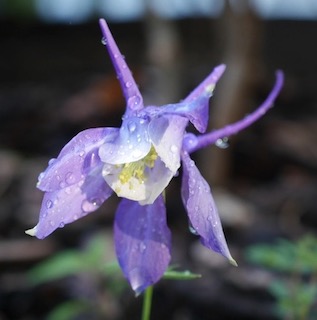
{"x":174,"y":148}
{"x":222,"y":143}
{"x":136,"y":153}
{"x":90,"y":205}
{"x":62,"y":225}
{"x":134,"y":101}
{"x":70,"y":178}
{"x":51,"y":161}
{"x":104,"y":41}
{"x":192,"y":229}
{"x":131,"y":126}
{"x":49,"y":204}
{"x":128,"y":84}
{"x":52,"y":223}
{"x":142,"y":247}
{"x":190,"y":141}
{"x":82,"y":153}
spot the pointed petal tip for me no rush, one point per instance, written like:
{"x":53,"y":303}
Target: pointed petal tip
{"x":31,"y":232}
{"x":233,"y":262}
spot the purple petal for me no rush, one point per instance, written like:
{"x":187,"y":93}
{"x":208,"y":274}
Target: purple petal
{"x":208,"y":84}
{"x":234,"y":128}
{"x":75,"y":159}
{"x":202,"y":210}
{"x":142,"y":242}
{"x":132,"y":143}
{"x":197,"y":111}
{"x":128,"y":85}
{"x":71,"y":203}
{"x":166,"y":134}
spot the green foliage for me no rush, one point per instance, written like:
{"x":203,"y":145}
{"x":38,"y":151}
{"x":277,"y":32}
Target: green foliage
{"x":68,"y":310}
{"x":89,"y":261}
{"x":296,"y":289}
{"x":71,"y":262}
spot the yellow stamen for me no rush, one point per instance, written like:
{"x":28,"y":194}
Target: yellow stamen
{"x":136,"y":169}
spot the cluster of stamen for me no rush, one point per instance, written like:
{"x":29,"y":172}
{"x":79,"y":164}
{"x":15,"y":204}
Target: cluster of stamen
{"x":136,"y":169}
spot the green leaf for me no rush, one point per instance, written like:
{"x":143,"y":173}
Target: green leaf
{"x":61,"y":265}
{"x":68,"y":310}
{"x":180,"y":275}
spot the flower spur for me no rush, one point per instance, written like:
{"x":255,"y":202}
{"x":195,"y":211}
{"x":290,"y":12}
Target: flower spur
{"x":137,"y":161}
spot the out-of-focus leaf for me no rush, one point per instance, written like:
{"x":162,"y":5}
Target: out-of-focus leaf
{"x":61,"y":265}
{"x":68,"y":310}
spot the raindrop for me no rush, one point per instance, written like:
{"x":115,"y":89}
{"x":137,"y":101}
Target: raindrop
{"x":136,"y":153}
{"x":81,"y":153}
{"x":192,"y":229}
{"x":128,"y":84}
{"x":174,"y":148}
{"x":134,"y":101}
{"x":104,"y":41}
{"x":142,"y":247}
{"x":49,"y":204}
{"x":90,"y":205}
{"x":62,"y":184}
{"x":190,"y":141}
{"x":68,"y":190}
{"x":51,"y":161}
{"x":222,"y":143}
{"x":131,"y":126}
{"x":62,"y":225}
{"x":70,"y":178}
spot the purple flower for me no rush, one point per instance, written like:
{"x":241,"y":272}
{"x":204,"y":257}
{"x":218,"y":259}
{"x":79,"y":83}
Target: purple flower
{"x":137,"y":161}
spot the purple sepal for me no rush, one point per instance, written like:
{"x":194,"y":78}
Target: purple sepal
{"x":71,"y":203}
{"x":131,"y":144}
{"x":142,"y":242}
{"x":201,"y":209}
{"x":129,"y":87}
{"x":209,"y":83}
{"x":76,"y":159}
{"x":210,"y":138}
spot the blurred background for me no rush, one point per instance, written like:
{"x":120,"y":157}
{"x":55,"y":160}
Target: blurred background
{"x":56,"y":79}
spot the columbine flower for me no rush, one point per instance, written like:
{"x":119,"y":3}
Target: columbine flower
{"x":137,"y":162}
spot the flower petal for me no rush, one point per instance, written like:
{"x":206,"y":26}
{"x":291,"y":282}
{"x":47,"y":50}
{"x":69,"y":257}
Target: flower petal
{"x":129,"y":87}
{"x":196,"y":111}
{"x":166,"y":134}
{"x":132,"y":143}
{"x":142,"y":242}
{"x":209,"y":83}
{"x":145,"y":191}
{"x":71,"y":164}
{"x":202,"y":210}
{"x":71,"y":203}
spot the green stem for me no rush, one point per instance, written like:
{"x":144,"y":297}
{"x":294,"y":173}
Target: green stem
{"x":147,"y":303}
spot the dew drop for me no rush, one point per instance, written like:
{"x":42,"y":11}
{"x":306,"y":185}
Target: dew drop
{"x":62,"y":224}
{"x":222,"y":143}
{"x":70,"y":178}
{"x":104,"y":41}
{"x":49,"y":204}
{"x":134,"y":101}
{"x":142,"y":247}
{"x":192,"y":229}
{"x":51,"y":161}
{"x":128,"y":84}
{"x":62,"y":184}
{"x":174,"y":148}
{"x":131,"y":126}
{"x":136,"y":153}
{"x":52,"y":223}
{"x":81,"y":153}
{"x":190,"y":141}
{"x":90,"y":205}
